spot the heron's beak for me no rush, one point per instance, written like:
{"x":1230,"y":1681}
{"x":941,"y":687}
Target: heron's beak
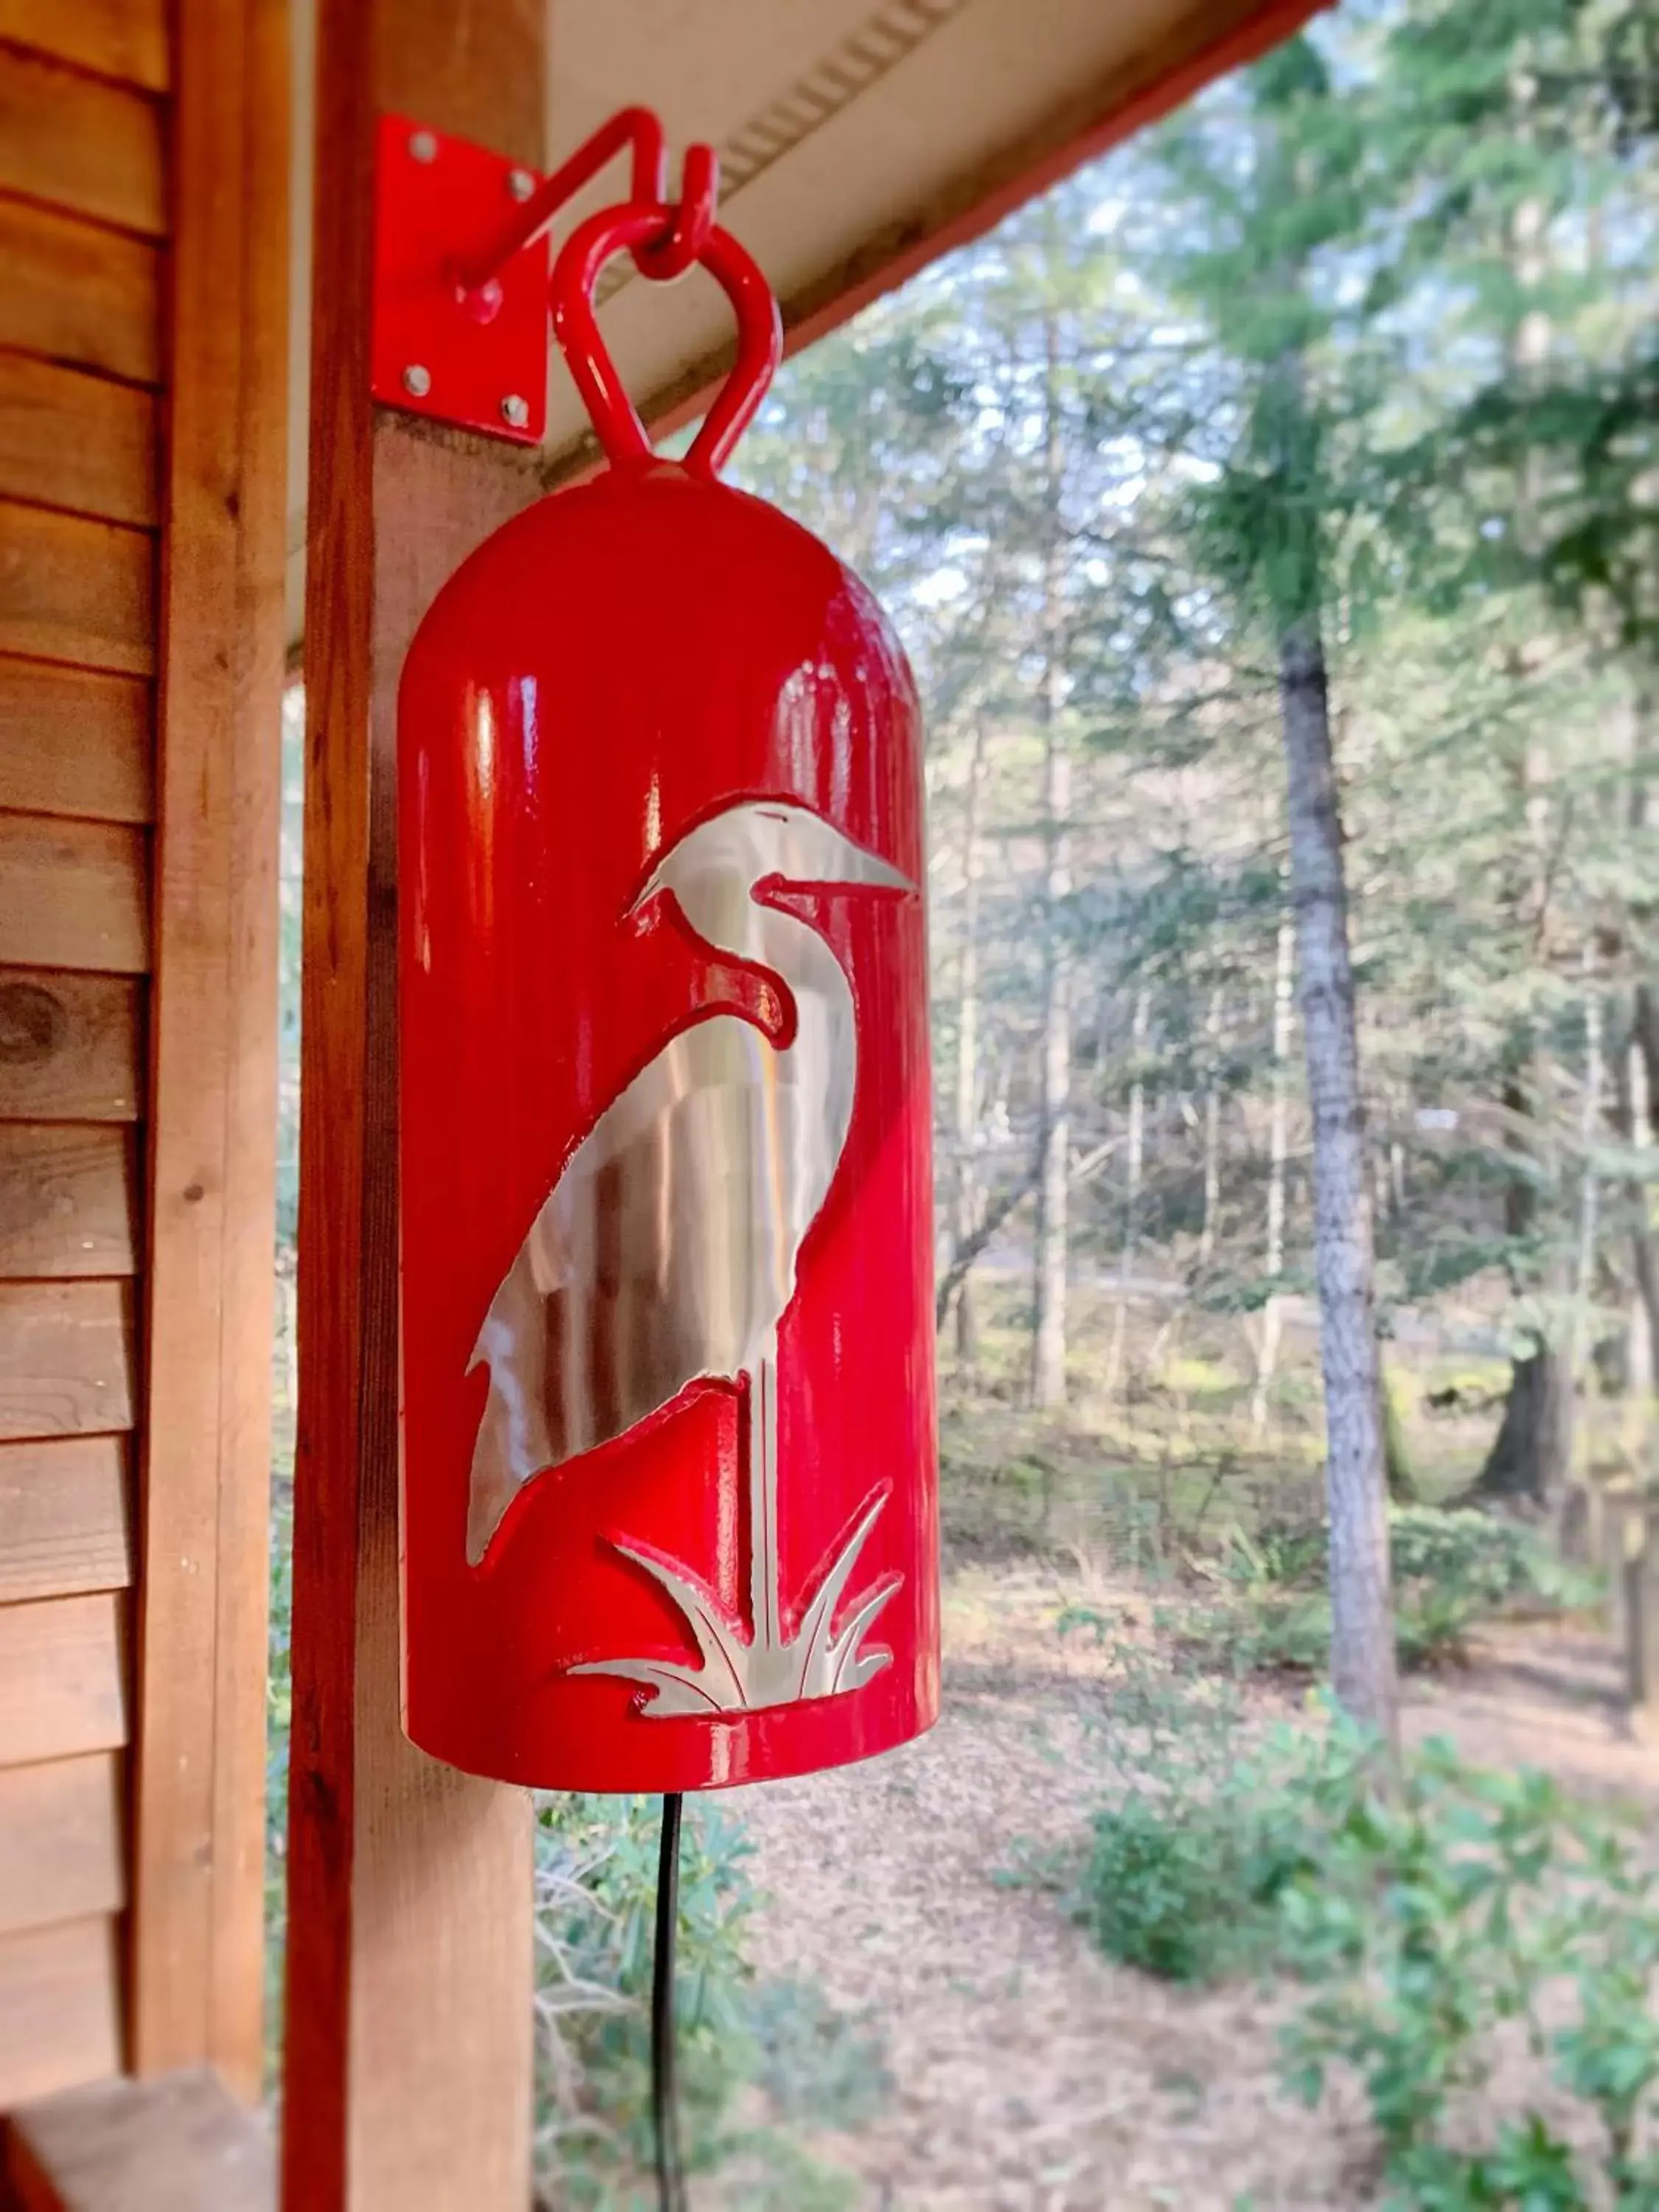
{"x":815,"y":854}
{"x":870,"y":870}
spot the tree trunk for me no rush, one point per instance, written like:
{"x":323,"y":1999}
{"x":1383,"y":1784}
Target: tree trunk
{"x":1054,"y":1123}
{"x":1135,"y":1148}
{"x":1363,"y":1664}
{"x":967,"y":1069}
{"x":1639,"y":1065}
{"x":1278,"y":1145}
{"x":1525,"y":1463}
{"x":1207,"y":1232}
{"x":1589,"y":1128}
{"x":1531,"y":1456}
{"x":1530,"y":1459}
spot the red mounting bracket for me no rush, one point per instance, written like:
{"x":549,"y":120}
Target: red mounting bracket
{"x":476,"y":357}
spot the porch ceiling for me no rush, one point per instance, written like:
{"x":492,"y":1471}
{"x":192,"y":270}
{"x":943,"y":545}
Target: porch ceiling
{"x":855,"y":144}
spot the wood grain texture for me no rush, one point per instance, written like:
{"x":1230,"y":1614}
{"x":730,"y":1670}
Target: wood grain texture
{"x":72,"y":894}
{"x":63,"y":1686}
{"x":198,"y":1867}
{"x":69,"y":1046}
{"x":75,"y":743}
{"x":60,"y":1841}
{"x":60,"y":2008}
{"x":126,"y":39}
{"x":66,"y":1360}
{"x":180,"y":2144}
{"x":68,"y":1199}
{"x":90,"y":148}
{"x":64,"y":1524}
{"x":408,"y":2054}
{"x":474,"y":67}
{"x":80,"y":294}
{"x":74,"y":590}
{"x":80,"y":442}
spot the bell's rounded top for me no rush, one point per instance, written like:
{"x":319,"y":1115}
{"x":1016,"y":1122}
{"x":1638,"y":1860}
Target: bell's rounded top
{"x":655,"y":563}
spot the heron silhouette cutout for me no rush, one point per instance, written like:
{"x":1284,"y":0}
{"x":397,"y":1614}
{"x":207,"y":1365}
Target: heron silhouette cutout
{"x":666,"y":1251}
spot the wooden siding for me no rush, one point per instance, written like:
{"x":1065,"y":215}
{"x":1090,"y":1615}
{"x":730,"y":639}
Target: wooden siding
{"x":65,"y":1519}
{"x":123,"y":39}
{"x":60,"y":2015}
{"x":82,"y":228}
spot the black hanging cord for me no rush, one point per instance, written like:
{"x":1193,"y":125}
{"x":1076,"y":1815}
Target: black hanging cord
{"x":671,"y":2180}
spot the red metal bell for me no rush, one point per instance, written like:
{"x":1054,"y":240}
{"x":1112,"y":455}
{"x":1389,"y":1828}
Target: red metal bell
{"x":670,"y":1495}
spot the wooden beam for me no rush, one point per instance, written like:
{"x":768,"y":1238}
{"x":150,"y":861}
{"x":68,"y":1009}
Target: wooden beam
{"x":197,"y":1876}
{"x":177,"y":2145}
{"x":408,"y":2067}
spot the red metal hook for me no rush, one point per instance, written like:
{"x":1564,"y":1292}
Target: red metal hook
{"x":682,"y":228}
{"x":459,"y":332}
{"x":616,"y":418}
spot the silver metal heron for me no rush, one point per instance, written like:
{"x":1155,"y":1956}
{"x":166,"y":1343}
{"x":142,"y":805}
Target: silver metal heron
{"x":666,"y":1254}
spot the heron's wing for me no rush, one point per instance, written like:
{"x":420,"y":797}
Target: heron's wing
{"x":663,"y":1254}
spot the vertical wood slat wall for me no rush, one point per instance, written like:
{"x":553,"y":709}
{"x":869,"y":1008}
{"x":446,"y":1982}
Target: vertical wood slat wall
{"x":137,"y":526}
{"x":82,"y":231}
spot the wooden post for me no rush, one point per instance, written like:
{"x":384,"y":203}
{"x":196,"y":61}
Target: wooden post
{"x":408,"y":2052}
{"x":198,"y":1829}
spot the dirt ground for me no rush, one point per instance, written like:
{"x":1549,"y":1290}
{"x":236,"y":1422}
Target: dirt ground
{"x":1028,"y":2073}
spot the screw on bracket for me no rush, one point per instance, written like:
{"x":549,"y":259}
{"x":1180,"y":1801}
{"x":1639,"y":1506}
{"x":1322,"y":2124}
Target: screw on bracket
{"x":423,"y":145}
{"x":417,"y":381}
{"x":520,"y":184}
{"x":515,"y":411}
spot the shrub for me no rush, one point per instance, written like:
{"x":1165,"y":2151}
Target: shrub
{"x":596,"y":1876}
{"x":1430,"y":1916}
{"x":1179,"y":1897}
{"x":1186,"y":1863}
{"x":1440,"y":1914}
{"x":1452,"y":1569}
{"x":596,"y":1880}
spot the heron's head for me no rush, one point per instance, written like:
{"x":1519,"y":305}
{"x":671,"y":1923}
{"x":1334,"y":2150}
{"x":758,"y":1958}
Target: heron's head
{"x":715,"y":869}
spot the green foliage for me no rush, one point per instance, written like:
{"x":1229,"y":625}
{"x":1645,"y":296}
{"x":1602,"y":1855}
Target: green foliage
{"x":1189,"y":1857}
{"x":1452,"y":1571}
{"x":1444,"y":1913}
{"x":1429,"y":1919}
{"x":1187,"y":1899}
{"x":595,"y":1874}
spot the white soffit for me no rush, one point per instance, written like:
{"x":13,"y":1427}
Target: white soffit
{"x":855,"y":144}
{"x":852,"y":140}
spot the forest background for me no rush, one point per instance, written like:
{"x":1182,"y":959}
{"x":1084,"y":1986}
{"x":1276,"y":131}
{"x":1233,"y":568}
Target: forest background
{"x":1271,"y":514}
